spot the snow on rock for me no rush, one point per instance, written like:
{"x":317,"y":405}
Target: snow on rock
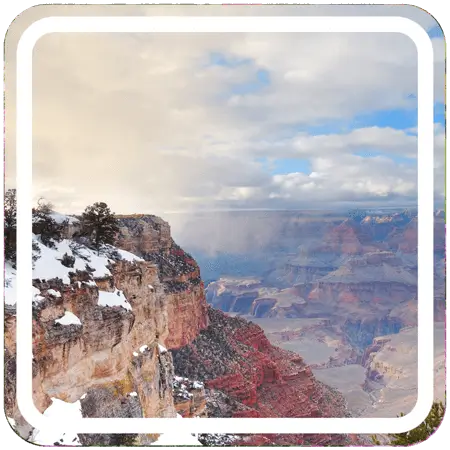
{"x":55,"y":436}
{"x":83,"y":396}
{"x":116,"y":298}
{"x":135,"y":354}
{"x":37,"y":297}
{"x":162,"y":349}
{"x":68,"y":319}
{"x":11,"y":287}
{"x":61,"y":218}
{"x":48,"y":265}
{"x":183,"y":386}
{"x":54,"y":293}
{"x":151,"y":287}
{"x":143,"y":348}
{"x":133,"y":394}
{"x":127,"y":256}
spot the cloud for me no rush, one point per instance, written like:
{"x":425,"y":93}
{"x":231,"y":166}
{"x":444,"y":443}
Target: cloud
{"x":150,"y":123}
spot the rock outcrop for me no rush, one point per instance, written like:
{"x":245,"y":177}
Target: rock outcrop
{"x":391,"y":369}
{"x":374,"y":289}
{"x":248,"y":377}
{"x":124,"y":313}
{"x":107,"y":325}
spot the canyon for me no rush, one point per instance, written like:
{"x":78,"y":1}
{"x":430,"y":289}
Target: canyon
{"x":126,"y":331}
{"x":336,"y":289}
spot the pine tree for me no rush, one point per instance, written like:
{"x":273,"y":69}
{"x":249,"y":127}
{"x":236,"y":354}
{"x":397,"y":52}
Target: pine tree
{"x":10,"y":207}
{"x":420,"y":433}
{"x":45,"y":226}
{"x":100,"y":224}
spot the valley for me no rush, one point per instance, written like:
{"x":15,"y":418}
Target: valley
{"x":339,"y":291}
{"x":325,"y":328}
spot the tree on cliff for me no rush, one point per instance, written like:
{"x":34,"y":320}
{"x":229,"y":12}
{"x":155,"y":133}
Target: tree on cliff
{"x":44,"y":224}
{"x":100,"y":224}
{"x":10,"y":207}
{"x":422,"y":432}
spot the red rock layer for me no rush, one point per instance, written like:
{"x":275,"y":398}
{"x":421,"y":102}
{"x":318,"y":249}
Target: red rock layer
{"x":235,"y":357}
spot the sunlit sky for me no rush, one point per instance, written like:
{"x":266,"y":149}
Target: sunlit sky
{"x":154,"y":123}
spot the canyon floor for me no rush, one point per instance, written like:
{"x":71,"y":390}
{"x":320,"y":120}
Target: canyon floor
{"x":397,"y":392}
{"x":339,"y":291}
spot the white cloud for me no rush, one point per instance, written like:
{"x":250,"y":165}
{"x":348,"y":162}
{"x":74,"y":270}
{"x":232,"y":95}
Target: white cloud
{"x":144,"y":123}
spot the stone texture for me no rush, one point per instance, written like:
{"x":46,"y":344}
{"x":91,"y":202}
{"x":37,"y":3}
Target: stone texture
{"x":248,"y":377}
{"x":97,"y":358}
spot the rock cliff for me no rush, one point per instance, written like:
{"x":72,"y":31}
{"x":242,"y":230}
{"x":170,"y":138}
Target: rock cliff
{"x":126,"y":332}
{"x":374,"y":289}
{"x":103,"y":324}
{"x":248,"y":377}
{"x":391,"y":369}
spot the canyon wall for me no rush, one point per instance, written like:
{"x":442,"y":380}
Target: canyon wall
{"x":126,"y":313}
{"x":248,"y":377}
{"x":126,"y":332}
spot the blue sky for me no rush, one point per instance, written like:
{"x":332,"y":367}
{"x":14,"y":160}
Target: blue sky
{"x":230,"y":121}
{"x":404,"y":119}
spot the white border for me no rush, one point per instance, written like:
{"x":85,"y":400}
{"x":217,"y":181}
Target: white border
{"x":220,"y":25}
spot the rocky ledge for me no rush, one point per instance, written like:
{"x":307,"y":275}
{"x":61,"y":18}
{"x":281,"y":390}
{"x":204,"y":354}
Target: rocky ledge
{"x":246,"y":376}
{"x":126,"y":332}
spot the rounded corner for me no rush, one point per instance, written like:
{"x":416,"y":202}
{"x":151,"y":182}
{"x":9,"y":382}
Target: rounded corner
{"x":432,"y":16}
{"x":417,"y":415}
{"x":30,"y":36}
{"x":30,"y":413}
{"x":417,"y":33}
{"x":13,"y":430}
{"x":13,"y":23}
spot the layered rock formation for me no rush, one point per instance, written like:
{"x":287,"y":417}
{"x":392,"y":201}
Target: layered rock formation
{"x":102,"y":326}
{"x":248,"y":377}
{"x":105,"y":325}
{"x":374,"y":289}
{"x":391,"y":370}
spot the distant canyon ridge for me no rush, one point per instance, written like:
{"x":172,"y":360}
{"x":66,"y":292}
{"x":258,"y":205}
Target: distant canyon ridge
{"x":341,"y":290}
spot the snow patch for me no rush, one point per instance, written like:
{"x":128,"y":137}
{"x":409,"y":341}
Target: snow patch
{"x":37,"y":297}
{"x":162,"y":349}
{"x":61,"y":410}
{"x":127,"y":256}
{"x":11,"y":287}
{"x":133,"y":394}
{"x":135,"y":354}
{"x":68,"y":319}
{"x":49,"y":266}
{"x":143,"y":348}
{"x":54,"y":293}
{"x":116,"y":298}
{"x":60,"y":218}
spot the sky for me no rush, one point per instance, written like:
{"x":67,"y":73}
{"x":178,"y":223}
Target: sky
{"x":160,"y":123}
